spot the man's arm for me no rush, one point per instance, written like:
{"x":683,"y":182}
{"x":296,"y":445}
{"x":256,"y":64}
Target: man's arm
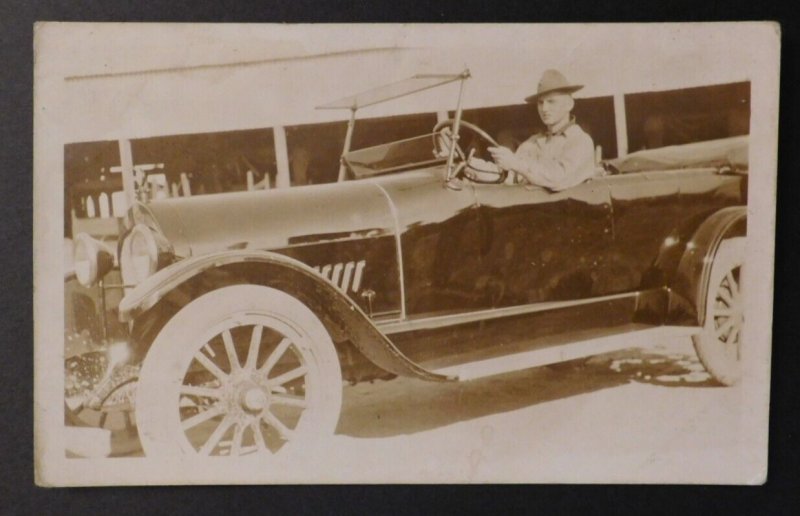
{"x":573,"y":166}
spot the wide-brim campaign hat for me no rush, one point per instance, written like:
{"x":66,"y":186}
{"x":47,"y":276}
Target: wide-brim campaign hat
{"x":551,"y":81}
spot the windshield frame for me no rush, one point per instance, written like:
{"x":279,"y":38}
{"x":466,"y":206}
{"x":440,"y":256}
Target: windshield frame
{"x":352,"y":103}
{"x":362,"y":169}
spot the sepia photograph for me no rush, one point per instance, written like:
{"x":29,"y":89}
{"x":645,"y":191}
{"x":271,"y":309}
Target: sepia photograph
{"x":403,"y":253}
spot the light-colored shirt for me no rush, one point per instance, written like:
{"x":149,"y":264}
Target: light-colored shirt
{"x":559,"y":160}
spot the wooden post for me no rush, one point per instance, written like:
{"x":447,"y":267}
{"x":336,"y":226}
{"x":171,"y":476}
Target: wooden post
{"x":281,"y":157}
{"x":90,"y":211}
{"x":620,"y":122}
{"x":104,"y":205}
{"x":187,"y":188}
{"x":126,"y":161}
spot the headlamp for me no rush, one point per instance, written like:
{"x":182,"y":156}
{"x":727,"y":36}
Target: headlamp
{"x":139,"y":255}
{"x":91,"y":259}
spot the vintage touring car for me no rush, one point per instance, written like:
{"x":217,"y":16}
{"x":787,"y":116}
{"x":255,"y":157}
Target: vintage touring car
{"x":247,"y":312}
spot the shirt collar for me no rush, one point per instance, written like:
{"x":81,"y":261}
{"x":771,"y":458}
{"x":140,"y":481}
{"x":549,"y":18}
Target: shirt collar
{"x":561,"y":131}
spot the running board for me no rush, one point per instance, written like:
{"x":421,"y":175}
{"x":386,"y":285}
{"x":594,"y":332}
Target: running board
{"x":565,"y":352}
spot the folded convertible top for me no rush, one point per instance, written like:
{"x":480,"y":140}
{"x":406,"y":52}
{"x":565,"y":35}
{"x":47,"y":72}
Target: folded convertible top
{"x":731,"y":152}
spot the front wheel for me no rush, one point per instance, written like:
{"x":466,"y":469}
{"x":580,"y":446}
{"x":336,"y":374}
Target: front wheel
{"x":719,"y":344}
{"x":241,"y":370}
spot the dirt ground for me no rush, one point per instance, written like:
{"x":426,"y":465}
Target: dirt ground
{"x":631,"y":416}
{"x":637,"y":416}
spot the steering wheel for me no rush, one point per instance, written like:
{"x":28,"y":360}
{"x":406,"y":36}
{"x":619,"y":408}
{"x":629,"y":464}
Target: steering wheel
{"x":439,"y":128}
{"x":439,"y":136}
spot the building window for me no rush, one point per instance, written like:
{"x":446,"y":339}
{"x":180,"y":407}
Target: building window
{"x":658,"y":119}
{"x":91,"y":186}
{"x":209,"y":162}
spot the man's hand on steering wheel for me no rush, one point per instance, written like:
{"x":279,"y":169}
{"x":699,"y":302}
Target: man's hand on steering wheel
{"x":504,"y":157}
{"x":443,"y":133}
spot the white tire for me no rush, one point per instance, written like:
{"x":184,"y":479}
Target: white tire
{"x":719,"y":344}
{"x":240,"y":370}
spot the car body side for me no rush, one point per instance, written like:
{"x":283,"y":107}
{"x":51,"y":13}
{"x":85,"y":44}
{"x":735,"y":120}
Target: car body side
{"x":403,"y":271}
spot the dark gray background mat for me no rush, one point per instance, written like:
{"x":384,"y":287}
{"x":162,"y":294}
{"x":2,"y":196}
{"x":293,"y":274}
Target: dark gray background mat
{"x":18,"y":495}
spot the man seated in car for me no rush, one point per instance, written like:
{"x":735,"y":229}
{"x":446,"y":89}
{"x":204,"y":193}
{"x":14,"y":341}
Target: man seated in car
{"x":563,"y":155}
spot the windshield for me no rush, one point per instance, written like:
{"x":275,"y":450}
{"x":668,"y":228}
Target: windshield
{"x":392,"y":157}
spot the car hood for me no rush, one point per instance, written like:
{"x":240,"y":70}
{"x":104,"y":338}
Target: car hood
{"x":278,"y":219}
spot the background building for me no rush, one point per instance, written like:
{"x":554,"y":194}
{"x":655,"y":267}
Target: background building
{"x":200,"y":112}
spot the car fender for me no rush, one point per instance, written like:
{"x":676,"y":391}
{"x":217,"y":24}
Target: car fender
{"x":292,"y":276}
{"x":689,"y":284}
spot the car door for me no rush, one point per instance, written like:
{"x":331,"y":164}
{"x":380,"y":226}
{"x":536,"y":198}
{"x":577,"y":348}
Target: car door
{"x":650,"y":210}
{"x":540,"y":246}
{"x":645,"y":210}
{"x":517,"y":271}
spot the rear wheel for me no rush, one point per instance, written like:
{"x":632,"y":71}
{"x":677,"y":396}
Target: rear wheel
{"x":241,"y":370}
{"x":719,"y":344}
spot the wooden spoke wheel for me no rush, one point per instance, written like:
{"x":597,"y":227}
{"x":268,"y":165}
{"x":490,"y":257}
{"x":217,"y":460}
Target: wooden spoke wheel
{"x":719,"y":345}
{"x":241,"y":370}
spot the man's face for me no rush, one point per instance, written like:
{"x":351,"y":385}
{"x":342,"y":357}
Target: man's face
{"x":554,"y":108}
